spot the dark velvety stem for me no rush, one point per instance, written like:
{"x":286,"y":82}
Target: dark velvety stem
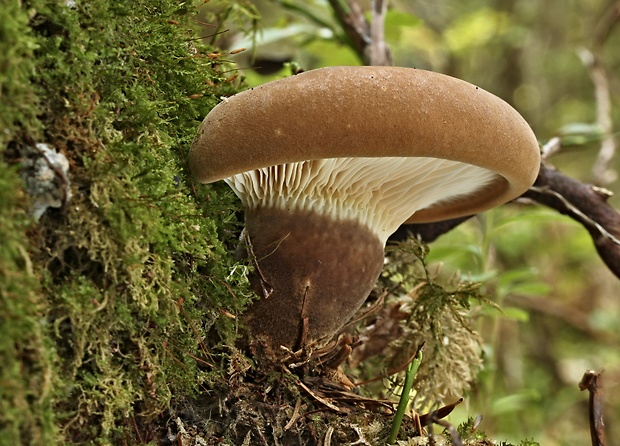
{"x":311,"y":272}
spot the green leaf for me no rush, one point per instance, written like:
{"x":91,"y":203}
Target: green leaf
{"x":515,"y":402}
{"x":580,"y":128}
{"x":395,"y":21}
{"x":515,"y":314}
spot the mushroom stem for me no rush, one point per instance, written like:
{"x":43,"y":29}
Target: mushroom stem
{"x":312,"y":274}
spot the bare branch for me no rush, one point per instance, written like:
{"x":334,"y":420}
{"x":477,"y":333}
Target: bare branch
{"x":551,"y":147}
{"x":427,"y":232}
{"x":593,"y":383}
{"x":379,"y":52}
{"x":601,"y":172}
{"x":584,"y":203}
{"x":367,"y":39}
{"x":355,"y":25}
{"x":606,"y":24}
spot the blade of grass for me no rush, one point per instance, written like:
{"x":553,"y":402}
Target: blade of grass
{"x":412,"y":370}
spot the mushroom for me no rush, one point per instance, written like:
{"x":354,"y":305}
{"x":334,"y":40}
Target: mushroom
{"x":330,"y":162}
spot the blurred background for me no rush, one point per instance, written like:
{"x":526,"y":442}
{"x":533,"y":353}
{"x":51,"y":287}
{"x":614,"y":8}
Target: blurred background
{"x":558,"y":64}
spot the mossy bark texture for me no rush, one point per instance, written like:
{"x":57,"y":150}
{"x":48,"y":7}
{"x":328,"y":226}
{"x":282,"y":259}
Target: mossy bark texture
{"x":108,"y":303}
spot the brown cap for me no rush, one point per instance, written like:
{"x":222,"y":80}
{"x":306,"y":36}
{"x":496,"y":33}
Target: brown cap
{"x":342,"y":112}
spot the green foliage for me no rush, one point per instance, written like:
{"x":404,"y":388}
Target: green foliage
{"x":127,"y":296}
{"x":522,"y":443}
{"x":439,"y":313}
{"x":579,"y":133}
{"x":19,"y":101}
{"x":476,"y":29}
{"x":27,"y":370}
{"x":26,"y":356}
{"x":468,"y":430}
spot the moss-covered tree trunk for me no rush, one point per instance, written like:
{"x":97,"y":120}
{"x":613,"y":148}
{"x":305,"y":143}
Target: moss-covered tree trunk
{"x":108,"y":300}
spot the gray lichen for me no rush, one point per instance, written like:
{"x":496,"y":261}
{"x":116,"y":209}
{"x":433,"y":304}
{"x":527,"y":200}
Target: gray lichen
{"x":45,"y":173}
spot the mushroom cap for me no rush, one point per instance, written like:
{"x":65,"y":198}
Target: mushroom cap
{"x":342,"y":112}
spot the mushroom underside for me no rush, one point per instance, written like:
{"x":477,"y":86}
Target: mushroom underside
{"x":316,"y":231}
{"x":379,"y":193}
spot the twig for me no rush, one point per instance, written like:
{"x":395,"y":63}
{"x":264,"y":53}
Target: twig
{"x":378,"y":51}
{"x":601,"y":172}
{"x":427,"y":232}
{"x":593,"y":383}
{"x":360,"y":434}
{"x":550,"y":148}
{"x":318,"y":398}
{"x":311,"y":393}
{"x":584,"y":203}
{"x":606,"y":24}
{"x":328,"y":436}
{"x":454,"y":435}
{"x":375,"y":307}
{"x":356,"y":27}
{"x":295,"y":415}
{"x":579,"y":215}
{"x":301,"y":8}
{"x":366,"y":39}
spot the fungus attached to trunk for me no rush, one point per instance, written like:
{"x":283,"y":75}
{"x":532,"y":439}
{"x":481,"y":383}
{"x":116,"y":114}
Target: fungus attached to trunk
{"x":330,"y":162}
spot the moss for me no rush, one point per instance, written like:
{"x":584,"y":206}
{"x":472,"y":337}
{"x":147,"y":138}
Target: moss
{"x":27,"y":371}
{"x":422,"y":306}
{"x":19,"y":100}
{"x":125,"y":298}
{"x":26,"y":355}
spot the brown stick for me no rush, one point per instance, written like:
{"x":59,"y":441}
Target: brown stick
{"x":593,"y":383}
{"x":601,"y":172}
{"x":379,"y":52}
{"x":366,"y":38}
{"x":427,"y":232}
{"x":584,"y":203}
{"x":355,"y":25}
{"x":454,"y":435}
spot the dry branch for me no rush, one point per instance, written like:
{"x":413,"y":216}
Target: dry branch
{"x":601,"y":172}
{"x":351,"y":17}
{"x":593,"y":383}
{"x":367,"y":39}
{"x":379,"y":52}
{"x":584,"y":203}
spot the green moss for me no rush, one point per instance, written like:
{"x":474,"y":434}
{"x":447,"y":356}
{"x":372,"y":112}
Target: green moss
{"x":18,"y":98}
{"x":123,"y":299}
{"x":26,"y":357}
{"x":27,"y":372}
